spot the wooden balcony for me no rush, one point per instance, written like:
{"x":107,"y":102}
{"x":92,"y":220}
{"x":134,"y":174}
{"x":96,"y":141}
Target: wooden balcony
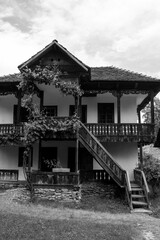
{"x":110,"y":132}
{"x":54,"y":179}
{"x":17,"y":129}
{"x":128,"y":132}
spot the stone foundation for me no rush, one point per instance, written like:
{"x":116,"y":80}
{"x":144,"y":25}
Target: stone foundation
{"x":100,"y":189}
{"x":62,"y":194}
{"x":65,"y":193}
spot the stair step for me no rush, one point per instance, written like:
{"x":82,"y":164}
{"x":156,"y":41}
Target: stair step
{"x":134,"y":185}
{"x":139,"y":203}
{"x":141,"y":210}
{"x":138,"y":196}
{"x":137,"y":189}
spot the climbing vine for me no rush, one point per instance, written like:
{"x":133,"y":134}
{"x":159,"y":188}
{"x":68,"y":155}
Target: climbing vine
{"x":38,"y":124}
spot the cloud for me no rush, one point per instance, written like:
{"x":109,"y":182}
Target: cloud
{"x":107,"y":32}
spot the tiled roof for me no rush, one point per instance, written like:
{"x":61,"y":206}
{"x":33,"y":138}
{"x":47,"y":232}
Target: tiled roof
{"x":16,"y":77}
{"x":117,"y":74}
{"x":99,"y":74}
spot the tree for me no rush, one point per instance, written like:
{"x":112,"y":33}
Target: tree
{"x":147,"y":114}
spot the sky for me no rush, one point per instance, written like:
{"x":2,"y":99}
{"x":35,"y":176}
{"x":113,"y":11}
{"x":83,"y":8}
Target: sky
{"x":121,"y":33}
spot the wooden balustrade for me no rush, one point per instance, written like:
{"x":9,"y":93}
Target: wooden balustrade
{"x":93,"y":175}
{"x":131,"y":131}
{"x":58,"y":178}
{"x":6,"y":129}
{"x":8,"y":175}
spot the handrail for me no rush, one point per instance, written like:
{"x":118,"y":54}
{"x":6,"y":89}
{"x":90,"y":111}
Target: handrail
{"x":128,"y":190}
{"x":128,"y":181}
{"x":143,"y":179}
{"x":103,"y":157}
{"x":81,"y":124}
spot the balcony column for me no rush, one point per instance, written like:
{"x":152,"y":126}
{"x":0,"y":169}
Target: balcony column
{"x":41,"y":95}
{"x":119,"y":95}
{"x":139,"y":115}
{"x":77,"y":140}
{"x":19,"y":97}
{"x":152,"y":107}
{"x":141,"y":156}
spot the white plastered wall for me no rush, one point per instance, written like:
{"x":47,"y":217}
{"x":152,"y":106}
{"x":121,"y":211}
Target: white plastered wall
{"x":6,"y":108}
{"x":125,"y":154}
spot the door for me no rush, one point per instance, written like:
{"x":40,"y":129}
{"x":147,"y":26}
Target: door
{"x":47,"y":153}
{"x":105,"y":112}
{"x":85,"y":160}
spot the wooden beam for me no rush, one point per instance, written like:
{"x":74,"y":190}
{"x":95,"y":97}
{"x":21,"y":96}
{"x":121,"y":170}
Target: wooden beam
{"x":77,"y":154}
{"x":139,"y":116}
{"x":119,"y":108}
{"x":152,"y":107}
{"x":41,"y":100}
{"x":40,"y":154}
{"x":80,"y":108}
{"x":141,"y":156}
{"x":19,"y":106}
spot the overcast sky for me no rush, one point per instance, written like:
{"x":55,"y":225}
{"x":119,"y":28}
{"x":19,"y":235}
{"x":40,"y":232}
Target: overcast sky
{"x":122,"y":33}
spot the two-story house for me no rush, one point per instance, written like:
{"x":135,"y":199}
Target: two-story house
{"x":110,"y":123}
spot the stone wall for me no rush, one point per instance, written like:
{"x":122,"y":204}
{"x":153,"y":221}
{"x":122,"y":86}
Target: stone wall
{"x":100,"y":189}
{"x":65,"y":193}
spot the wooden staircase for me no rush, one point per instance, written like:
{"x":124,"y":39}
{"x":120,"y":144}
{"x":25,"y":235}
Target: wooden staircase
{"x":102,"y":156}
{"x":137,"y":191}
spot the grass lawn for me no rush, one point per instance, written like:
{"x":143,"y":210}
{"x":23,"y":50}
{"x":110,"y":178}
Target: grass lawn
{"x":96,"y":219}
{"x":14,"y":227}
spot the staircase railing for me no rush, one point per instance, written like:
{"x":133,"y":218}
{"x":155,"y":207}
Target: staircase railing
{"x":103,"y":157}
{"x":128,"y":190}
{"x":140,"y":178}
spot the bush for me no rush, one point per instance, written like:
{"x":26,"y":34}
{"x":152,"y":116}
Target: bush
{"x":151,"y":169}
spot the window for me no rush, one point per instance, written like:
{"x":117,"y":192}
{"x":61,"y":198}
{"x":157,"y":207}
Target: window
{"x":84,"y":112}
{"x":50,"y":111}
{"x":20,"y":157}
{"x":105,"y":112}
{"x":23,"y":114}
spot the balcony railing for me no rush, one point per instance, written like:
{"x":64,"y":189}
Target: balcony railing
{"x":58,"y":178}
{"x":103,"y":131}
{"x":128,"y":131}
{"x":6,"y":129}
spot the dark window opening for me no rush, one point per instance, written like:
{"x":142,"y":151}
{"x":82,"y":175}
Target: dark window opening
{"x":50,"y":111}
{"x":84,"y":112}
{"x":105,"y":112}
{"x":20,"y":157}
{"x":47,"y":154}
{"x":23,"y":114}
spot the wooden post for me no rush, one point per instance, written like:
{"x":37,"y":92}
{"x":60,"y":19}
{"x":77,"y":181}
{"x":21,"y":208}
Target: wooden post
{"x":152,"y":107}
{"x":76,"y":105}
{"x":77,"y":141}
{"x":40,"y":155}
{"x":139,"y":116}
{"x":119,"y":107}
{"x":80,"y":108}
{"x":41,"y":100}
{"x":77,"y":154}
{"x":141,"y":156}
{"x":29,"y":159}
{"x":19,"y":107}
